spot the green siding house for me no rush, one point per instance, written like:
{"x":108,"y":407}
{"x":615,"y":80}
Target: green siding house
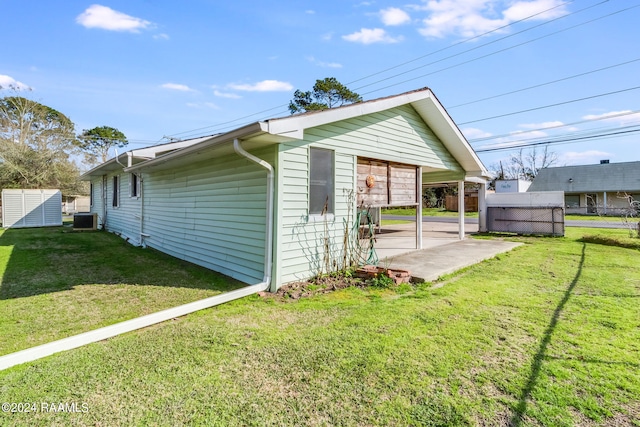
{"x":270,"y":201}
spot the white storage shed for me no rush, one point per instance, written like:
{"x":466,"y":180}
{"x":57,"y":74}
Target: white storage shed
{"x":31,"y":208}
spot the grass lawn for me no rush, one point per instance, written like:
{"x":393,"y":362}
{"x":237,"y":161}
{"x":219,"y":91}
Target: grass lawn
{"x":56,"y":283}
{"x":548,"y":334}
{"x":442,"y":212}
{"x":575,"y":217}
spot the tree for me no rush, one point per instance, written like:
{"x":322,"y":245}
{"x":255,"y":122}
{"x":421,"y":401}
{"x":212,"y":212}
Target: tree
{"x":327,"y":93}
{"x":36,"y":142}
{"x":97,"y":142}
{"x":525,"y":164}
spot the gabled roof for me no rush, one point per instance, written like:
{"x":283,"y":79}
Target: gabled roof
{"x":293,"y":128}
{"x":610,"y":177}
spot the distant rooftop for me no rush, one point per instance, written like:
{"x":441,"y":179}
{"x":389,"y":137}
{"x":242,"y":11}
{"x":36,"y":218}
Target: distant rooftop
{"x":609,"y":177}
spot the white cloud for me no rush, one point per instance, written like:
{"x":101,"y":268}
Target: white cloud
{"x":323,"y":64}
{"x":474,"y":133}
{"x":543,"y":125}
{"x":529,"y":134}
{"x":263,"y":86}
{"x":583,"y":157}
{"x":226,"y":94}
{"x":161,"y":36}
{"x":522,"y":9}
{"x":177,"y":86}
{"x":97,"y":16}
{"x":310,"y":12}
{"x":8,"y":81}
{"x":469,"y":18}
{"x":394,"y":16}
{"x":369,"y":36}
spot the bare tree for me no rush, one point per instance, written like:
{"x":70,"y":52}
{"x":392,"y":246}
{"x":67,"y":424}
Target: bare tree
{"x":525,"y":164}
{"x":631,"y":215}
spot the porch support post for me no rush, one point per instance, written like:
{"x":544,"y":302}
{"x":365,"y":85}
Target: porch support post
{"x":461,"y":210}
{"x":482,"y":208}
{"x":605,"y":203}
{"x":419,"y":207}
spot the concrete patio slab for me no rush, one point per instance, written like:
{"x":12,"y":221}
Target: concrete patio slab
{"x":427,"y":265}
{"x":442,"y":253}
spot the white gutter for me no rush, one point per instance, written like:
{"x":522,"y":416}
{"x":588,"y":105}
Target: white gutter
{"x":268,"y":246}
{"x":35,"y":353}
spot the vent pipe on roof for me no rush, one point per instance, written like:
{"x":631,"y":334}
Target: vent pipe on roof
{"x":604,"y":162}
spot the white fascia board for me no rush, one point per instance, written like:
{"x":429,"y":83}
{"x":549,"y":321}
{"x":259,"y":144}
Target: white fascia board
{"x":204,"y":143}
{"x":434,"y":114}
{"x":150,"y":152}
{"x":296,"y":124}
{"x":104,"y":168}
{"x":424,"y":102}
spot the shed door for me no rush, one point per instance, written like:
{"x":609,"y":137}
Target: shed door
{"x":381,"y":183}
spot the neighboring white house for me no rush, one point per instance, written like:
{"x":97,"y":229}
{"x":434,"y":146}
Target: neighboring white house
{"x":592,"y":189}
{"x":270,"y":201}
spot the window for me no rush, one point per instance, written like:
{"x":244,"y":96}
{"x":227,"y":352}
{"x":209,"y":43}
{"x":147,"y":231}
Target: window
{"x":134,"y":185}
{"x":91,"y":194}
{"x":572,"y":200}
{"x":115,"y":202}
{"x":321,"y":186}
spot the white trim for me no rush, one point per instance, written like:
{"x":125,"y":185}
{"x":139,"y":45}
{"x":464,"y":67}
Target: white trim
{"x":35,"y":353}
{"x":461,"y":210}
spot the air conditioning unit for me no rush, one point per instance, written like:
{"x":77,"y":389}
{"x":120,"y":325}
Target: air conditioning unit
{"x":85,"y":221}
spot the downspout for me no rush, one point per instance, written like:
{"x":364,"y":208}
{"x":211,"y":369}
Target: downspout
{"x":75,"y":341}
{"x":268,"y":249}
{"x":140,"y":195}
{"x":104,"y":202}
{"x":141,"y":189}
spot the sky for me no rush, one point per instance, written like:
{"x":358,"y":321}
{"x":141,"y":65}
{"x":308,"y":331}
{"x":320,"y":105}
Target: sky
{"x":509,"y":73}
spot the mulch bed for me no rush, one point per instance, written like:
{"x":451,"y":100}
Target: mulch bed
{"x":322,"y":285}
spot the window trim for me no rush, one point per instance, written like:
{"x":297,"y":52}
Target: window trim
{"x":91,"y":194}
{"x":134,"y":186}
{"x":330,"y":214}
{"x":115,"y":196}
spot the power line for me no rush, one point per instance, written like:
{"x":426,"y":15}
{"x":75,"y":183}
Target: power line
{"x":219,"y":125}
{"x":545,"y":84}
{"x":216,"y":126}
{"x":499,"y":51}
{"x":551,"y":139}
{"x":228,"y":122}
{"x":464,"y":41}
{"x":562,"y":141}
{"x":550,"y":105}
{"x":606,"y":117}
{"x":481,"y":46}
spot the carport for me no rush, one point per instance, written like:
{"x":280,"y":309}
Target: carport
{"x":396,"y":239}
{"x":443,"y":251}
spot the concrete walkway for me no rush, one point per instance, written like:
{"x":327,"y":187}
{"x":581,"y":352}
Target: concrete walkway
{"x":428,"y":265}
{"x":442,"y":252}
